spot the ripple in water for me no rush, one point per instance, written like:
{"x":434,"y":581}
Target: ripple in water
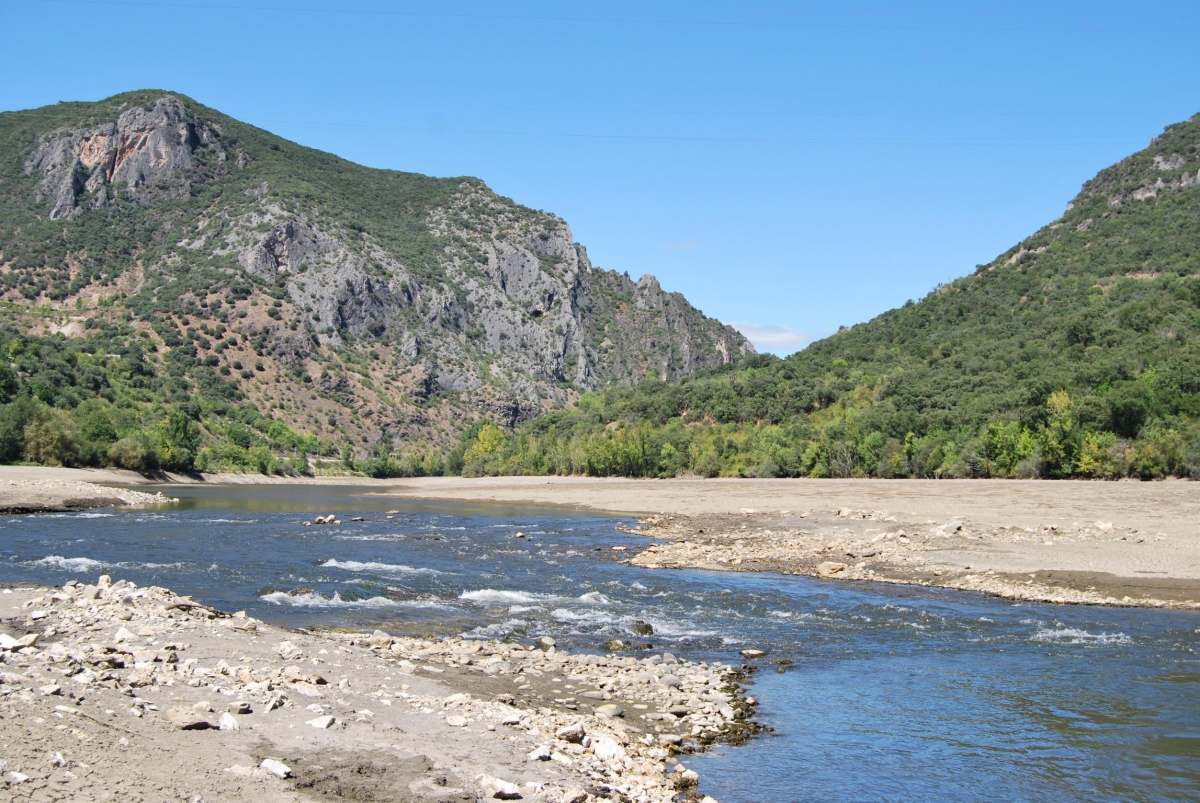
{"x":888,"y":693}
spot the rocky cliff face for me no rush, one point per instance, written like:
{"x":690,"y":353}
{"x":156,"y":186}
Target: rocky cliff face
{"x":460,"y":300}
{"x":148,"y":150}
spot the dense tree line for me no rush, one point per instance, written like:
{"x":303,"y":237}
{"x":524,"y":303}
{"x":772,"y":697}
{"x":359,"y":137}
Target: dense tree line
{"x":1074,"y":354}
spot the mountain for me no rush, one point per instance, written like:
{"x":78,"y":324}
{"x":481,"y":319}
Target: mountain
{"x":157,"y":256}
{"x":1074,"y":353}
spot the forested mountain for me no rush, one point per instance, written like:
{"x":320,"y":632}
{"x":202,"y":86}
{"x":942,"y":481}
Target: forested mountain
{"x":180,"y":289}
{"x":1074,"y":353}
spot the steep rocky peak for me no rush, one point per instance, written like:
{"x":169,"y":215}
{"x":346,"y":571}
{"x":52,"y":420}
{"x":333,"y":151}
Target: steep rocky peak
{"x":1170,"y":164}
{"x":148,"y":150}
{"x":449,"y":285}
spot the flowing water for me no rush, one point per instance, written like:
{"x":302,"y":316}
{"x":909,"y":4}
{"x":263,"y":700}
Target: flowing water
{"x":892,"y":694}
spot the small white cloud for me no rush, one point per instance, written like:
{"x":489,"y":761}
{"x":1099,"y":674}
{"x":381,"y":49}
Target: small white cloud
{"x":686,"y":245}
{"x":778,"y":339}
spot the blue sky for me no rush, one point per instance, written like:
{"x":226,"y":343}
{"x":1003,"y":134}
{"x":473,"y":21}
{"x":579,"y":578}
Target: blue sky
{"x":789,"y":167}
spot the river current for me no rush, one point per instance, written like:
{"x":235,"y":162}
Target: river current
{"x":874,"y":693}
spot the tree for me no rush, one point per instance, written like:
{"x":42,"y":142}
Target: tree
{"x":51,"y":438}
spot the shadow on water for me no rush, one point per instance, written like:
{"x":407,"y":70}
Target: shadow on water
{"x":888,"y":693}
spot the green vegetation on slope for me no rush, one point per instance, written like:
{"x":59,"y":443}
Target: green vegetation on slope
{"x":107,"y":399}
{"x":305,"y":312}
{"x":1074,"y":354}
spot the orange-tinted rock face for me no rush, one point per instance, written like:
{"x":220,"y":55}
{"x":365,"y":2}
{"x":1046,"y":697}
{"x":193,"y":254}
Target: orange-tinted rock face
{"x":148,"y":150}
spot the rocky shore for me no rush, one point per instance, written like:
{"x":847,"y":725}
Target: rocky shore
{"x":864,"y":545}
{"x":109,"y":691}
{"x":47,"y":495}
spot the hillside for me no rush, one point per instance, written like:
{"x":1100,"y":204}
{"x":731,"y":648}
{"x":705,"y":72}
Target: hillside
{"x":181,"y":289}
{"x":1074,"y":353}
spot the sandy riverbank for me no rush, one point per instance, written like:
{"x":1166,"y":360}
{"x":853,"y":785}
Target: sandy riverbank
{"x":39,"y":489}
{"x":113,"y":692}
{"x":1126,"y":543}
{"x":24,"y":490}
{"x":1122,"y":543}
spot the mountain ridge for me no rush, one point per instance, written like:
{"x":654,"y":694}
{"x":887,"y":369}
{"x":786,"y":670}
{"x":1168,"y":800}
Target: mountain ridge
{"x":349,"y":301}
{"x":1074,"y":353}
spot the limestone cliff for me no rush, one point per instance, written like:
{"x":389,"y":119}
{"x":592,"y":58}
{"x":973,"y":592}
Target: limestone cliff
{"x":389,"y":302}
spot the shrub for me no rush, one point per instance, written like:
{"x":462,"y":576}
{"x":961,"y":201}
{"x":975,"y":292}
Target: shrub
{"x":51,"y":438}
{"x":134,"y":452}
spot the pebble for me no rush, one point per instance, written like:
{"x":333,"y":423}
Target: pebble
{"x":495,"y":788}
{"x":94,"y":650}
{"x":277,"y":768}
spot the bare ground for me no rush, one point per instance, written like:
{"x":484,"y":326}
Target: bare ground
{"x":113,"y":692}
{"x":1114,"y":543}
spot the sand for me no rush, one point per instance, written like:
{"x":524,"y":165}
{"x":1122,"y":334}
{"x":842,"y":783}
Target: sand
{"x":38,"y":490}
{"x":1112,"y":543}
{"x":1119,"y":543}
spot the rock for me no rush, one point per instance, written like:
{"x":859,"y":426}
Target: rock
{"x":52,"y":689}
{"x":380,"y":639}
{"x":546,"y":641}
{"x":610,"y":710}
{"x":322,"y":723}
{"x":276,"y":768}
{"x":830,"y":568}
{"x":240,"y":707}
{"x":752,"y":654}
{"x":123,"y":635}
{"x":358,"y":518}
{"x":493,"y":787}
{"x":670,"y":738}
{"x":456,"y":721}
{"x":187,"y":719}
{"x":541,"y":753}
{"x":15,"y":777}
{"x":229,"y":722}
{"x":592,"y":694}
{"x":570,"y":794}
{"x":641,"y":628}
{"x":571,"y":733}
{"x":607,"y":749}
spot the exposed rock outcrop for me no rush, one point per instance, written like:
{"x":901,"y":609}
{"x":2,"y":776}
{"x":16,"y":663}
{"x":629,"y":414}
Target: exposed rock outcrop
{"x":454,"y":289}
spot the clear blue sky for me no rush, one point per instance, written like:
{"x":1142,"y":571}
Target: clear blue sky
{"x":790,"y":165}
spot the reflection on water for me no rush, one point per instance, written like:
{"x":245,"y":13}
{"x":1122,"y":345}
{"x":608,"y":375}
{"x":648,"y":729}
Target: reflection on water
{"x":892,"y":693}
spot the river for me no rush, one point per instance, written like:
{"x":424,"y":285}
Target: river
{"x":874,"y":692}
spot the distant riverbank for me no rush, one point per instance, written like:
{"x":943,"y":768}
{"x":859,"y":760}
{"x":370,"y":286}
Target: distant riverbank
{"x":1123,"y":543}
